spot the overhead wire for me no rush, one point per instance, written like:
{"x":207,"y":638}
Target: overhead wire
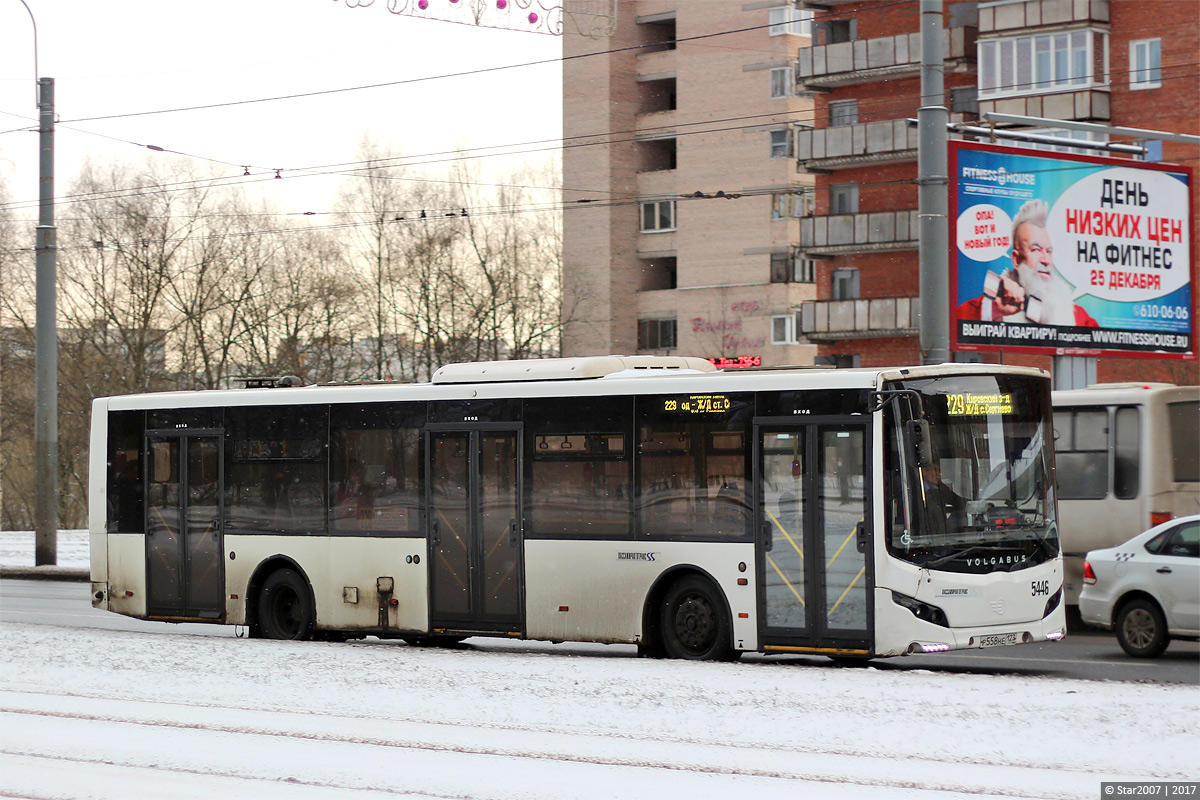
{"x":352,"y":169}
{"x":440,"y":157}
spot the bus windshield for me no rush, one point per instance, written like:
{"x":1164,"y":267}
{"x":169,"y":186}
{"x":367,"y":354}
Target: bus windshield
{"x":977,"y":495}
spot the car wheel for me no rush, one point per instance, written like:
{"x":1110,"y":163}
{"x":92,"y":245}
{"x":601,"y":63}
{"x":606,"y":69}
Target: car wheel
{"x":285,"y":609}
{"x":694,"y":624}
{"x":1141,"y":629}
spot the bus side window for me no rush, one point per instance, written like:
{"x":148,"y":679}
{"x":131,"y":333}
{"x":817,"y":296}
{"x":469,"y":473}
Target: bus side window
{"x":1126,"y":448}
{"x":126,"y":504}
{"x":1184,"y":421}
{"x":1082,"y":453}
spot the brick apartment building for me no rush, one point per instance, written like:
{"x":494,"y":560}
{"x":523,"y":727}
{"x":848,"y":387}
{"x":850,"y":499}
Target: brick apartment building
{"x":851,"y":297}
{"x":683,"y":197}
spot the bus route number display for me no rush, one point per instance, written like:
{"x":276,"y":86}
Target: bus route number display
{"x":697,"y":404}
{"x":961,"y":405}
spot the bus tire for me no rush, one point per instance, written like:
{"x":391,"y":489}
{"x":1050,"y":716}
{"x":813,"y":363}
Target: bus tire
{"x":694,"y":624}
{"x":285,"y":607}
{"x":1141,"y":629}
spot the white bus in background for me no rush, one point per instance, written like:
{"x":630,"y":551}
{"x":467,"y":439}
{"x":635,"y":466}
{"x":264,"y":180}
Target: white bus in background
{"x":1128,"y":458}
{"x":645,"y":500}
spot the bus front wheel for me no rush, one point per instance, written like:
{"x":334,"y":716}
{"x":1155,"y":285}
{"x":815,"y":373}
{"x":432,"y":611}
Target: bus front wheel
{"x":285,"y":607}
{"x":694,"y":624}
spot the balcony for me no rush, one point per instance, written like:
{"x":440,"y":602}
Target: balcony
{"x":825,"y":149}
{"x":833,"y":320}
{"x":859,"y":233}
{"x":1083,"y":105}
{"x":883,"y":58}
{"x":1013,"y":17}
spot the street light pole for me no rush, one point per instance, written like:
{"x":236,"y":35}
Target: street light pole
{"x":45,"y":413}
{"x":933,"y":180}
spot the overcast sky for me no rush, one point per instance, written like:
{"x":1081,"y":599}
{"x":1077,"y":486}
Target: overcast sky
{"x":121,"y":57}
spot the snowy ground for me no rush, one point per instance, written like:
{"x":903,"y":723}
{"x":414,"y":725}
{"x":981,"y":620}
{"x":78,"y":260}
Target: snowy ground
{"x":129,"y":716}
{"x":16,"y":549}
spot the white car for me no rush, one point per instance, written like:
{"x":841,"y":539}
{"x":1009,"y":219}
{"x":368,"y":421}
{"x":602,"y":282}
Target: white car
{"x":1147,"y":589}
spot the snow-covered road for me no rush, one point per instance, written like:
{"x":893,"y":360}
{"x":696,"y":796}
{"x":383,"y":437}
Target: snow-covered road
{"x":89,"y":713}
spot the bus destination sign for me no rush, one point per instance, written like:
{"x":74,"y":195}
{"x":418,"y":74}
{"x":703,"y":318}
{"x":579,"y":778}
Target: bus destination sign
{"x":697,"y":404}
{"x":961,"y":405}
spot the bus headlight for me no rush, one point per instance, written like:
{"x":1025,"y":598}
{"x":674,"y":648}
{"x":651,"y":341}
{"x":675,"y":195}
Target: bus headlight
{"x":1052,"y":603}
{"x":922,"y":611}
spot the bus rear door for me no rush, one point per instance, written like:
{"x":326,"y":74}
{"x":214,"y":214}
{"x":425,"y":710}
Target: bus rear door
{"x":183,"y":525}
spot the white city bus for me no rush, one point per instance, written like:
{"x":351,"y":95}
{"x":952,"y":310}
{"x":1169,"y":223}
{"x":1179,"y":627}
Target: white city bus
{"x":1128,"y":459}
{"x":645,"y":500}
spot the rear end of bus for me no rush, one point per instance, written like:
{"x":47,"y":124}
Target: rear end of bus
{"x":1128,"y":460}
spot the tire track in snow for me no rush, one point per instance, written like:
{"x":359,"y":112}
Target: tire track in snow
{"x":541,"y":746}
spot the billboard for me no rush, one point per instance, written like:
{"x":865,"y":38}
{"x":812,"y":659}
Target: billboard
{"x":1070,"y":255}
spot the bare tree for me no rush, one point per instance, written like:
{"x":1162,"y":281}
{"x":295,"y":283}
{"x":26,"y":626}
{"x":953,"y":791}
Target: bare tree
{"x":514,"y":245}
{"x":371,"y":204}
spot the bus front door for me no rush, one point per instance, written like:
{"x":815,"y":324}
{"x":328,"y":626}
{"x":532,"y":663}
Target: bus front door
{"x":183,"y":527}
{"x":475,"y":530}
{"x":814,"y":553}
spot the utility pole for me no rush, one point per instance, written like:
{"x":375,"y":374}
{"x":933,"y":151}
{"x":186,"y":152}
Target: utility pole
{"x":45,"y":417}
{"x":933,"y":182}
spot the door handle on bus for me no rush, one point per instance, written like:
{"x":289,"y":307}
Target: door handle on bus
{"x":434,"y":536}
{"x":512,"y":529}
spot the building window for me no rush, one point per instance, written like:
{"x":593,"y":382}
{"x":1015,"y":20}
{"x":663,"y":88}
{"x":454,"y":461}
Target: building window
{"x":791,"y":267}
{"x":1026,"y":64}
{"x":781,"y":143}
{"x":843,"y":198}
{"x":658,"y":216}
{"x":834,"y":31}
{"x":657,"y":154}
{"x":843,"y":112}
{"x":657,"y":32}
{"x":792,"y":205}
{"x":659,"y":273}
{"x":789,"y":21}
{"x":1145,"y":64}
{"x":656,"y":96}
{"x":783,"y":329}
{"x":844,"y":284}
{"x":965,"y":100}
{"x":657,"y":334}
{"x":782,"y":82}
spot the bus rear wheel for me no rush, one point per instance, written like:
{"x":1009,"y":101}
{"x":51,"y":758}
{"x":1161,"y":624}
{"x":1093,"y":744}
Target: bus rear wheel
{"x":285,"y":607}
{"x":694,"y":624}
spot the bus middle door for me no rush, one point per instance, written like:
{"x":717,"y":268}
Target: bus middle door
{"x":474,"y":523}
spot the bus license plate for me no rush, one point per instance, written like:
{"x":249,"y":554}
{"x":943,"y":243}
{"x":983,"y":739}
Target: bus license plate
{"x":998,"y":640}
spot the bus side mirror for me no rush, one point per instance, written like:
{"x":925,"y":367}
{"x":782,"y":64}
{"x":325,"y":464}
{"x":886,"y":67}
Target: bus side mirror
{"x":918,"y":437}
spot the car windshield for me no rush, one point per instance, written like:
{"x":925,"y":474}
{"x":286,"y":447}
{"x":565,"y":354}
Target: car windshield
{"x":977,"y":497}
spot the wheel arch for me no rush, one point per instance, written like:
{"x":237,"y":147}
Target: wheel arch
{"x":1129,"y":597}
{"x":651,"y":629}
{"x":264,"y":570}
